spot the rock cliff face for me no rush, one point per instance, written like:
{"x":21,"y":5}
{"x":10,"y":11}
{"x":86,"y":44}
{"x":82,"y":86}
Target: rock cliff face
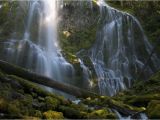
{"x":78,"y":25}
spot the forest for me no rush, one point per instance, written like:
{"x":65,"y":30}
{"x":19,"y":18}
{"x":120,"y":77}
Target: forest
{"x":79,"y":59}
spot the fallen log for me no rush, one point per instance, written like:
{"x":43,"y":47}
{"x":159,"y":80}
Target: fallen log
{"x":36,"y":78}
{"x":11,"y":69}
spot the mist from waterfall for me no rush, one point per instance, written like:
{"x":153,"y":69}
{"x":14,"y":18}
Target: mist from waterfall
{"x":42,"y":53}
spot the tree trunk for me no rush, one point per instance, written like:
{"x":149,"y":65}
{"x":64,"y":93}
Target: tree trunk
{"x":33,"y":77}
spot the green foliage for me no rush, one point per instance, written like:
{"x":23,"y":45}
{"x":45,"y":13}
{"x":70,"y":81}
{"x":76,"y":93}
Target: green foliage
{"x":7,"y":13}
{"x":153,"y":109}
{"x":78,"y":27}
{"x":78,"y":39}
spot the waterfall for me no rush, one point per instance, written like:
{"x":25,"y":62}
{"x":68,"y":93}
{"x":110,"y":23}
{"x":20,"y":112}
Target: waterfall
{"x":118,"y":54}
{"x":39,"y":49}
{"x":87,"y":74}
{"x":120,"y":50}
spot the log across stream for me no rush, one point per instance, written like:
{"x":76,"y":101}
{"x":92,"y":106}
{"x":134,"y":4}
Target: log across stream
{"x":36,"y":78}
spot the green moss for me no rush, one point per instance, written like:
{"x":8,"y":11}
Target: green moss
{"x":3,"y":105}
{"x":142,"y":92}
{"x":122,"y":105}
{"x":52,"y":115}
{"x":101,"y":114}
{"x":82,"y":39}
{"x":28,"y":99}
{"x":38,"y":114}
{"x":29,"y":86}
{"x":142,"y":100}
{"x":71,"y":57}
{"x":51,"y":103}
{"x":14,"y":108}
{"x":78,"y":28}
{"x":32,"y":88}
{"x":93,"y":101}
{"x":79,"y":107}
{"x":7,"y":13}
{"x":153,"y":109}
{"x":70,"y":112}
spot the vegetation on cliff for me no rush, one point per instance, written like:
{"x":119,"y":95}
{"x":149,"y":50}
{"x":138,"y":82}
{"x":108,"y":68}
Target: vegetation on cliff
{"x":20,"y":98}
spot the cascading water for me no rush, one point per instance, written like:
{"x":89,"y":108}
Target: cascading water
{"x":87,"y":74}
{"x":118,"y":54}
{"x":120,"y":50}
{"x":40,"y":54}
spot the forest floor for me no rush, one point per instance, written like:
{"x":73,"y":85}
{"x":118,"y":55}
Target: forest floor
{"x":20,"y":98}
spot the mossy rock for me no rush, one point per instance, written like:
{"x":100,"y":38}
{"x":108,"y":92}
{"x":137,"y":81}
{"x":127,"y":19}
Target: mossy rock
{"x":27,"y":100}
{"x":93,"y":101}
{"x":101,"y":114}
{"x":153,"y":109}
{"x":70,"y":112}
{"x":38,"y":114}
{"x":52,"y":115}
{"x":126,"y":106}
{"x":29,"y":87}
{"x":14,"y":109}
{"x":51,"y":103}
{"x":142,"y":100}
{"x":79,"y":107}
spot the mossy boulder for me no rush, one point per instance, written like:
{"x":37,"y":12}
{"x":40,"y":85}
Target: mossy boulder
{"x":93,"y":101}
{"x":51,"y":103}
{"x":142,"y":100}
{"x":101,"y":114}
{"x":52,"y":115}
{"x":153,"y":109}
{"x":70,"y":112}
{"x":26,"y":100}
{"x":126,"y":107}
